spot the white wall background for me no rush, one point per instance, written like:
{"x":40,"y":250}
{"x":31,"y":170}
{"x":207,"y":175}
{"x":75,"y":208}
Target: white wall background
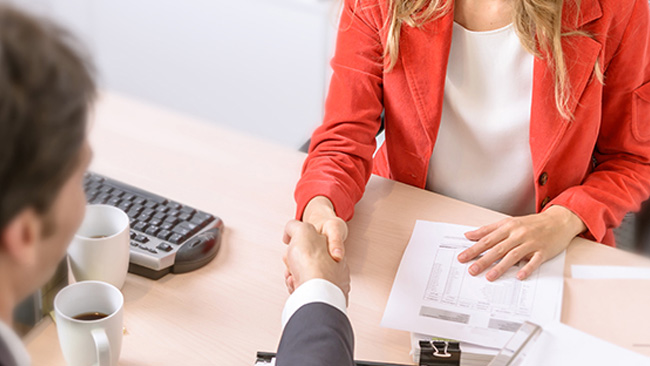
{"x":260,"y":66}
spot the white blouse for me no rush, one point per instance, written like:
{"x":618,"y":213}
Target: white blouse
{"x":482,"y":153}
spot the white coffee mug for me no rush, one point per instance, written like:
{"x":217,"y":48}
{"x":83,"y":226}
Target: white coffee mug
{"x":100,"y":249}
{"x":90,"y":342}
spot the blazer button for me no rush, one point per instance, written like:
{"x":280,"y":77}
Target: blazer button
{"x":545,"y":202}
{"x":543,"y":178}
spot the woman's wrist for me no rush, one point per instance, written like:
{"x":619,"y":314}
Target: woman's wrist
{"x":568,"y":219}
{"x":318,"y":208}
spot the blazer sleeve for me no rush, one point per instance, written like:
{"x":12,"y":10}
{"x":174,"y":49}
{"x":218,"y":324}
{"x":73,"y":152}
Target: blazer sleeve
{"x":317,"y":334}
{"x":339,"y":162}
{"x":620,"y":181}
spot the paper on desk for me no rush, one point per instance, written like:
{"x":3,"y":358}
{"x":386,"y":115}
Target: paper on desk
{"x":560,"y":345}
{"x":434,"y":294}
{"x":610,"y":272}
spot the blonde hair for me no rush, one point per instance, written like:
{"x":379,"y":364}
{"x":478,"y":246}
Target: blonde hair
{"x":538,"y":24}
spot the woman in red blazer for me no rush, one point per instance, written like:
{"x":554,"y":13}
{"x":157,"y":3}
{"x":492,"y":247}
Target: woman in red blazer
{"x":589,"y":122}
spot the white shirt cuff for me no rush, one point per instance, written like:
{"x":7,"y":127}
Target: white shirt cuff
{"x":315,"y":290}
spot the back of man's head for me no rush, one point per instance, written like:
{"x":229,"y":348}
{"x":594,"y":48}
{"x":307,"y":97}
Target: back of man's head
{"x":46,"y":89}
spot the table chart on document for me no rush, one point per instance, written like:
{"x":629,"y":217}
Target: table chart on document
{"x":451,"y":284}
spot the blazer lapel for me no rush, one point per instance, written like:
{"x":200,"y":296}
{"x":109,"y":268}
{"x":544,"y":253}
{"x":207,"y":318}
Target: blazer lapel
{"x":423,"y":54}
{"x":547,"y":127}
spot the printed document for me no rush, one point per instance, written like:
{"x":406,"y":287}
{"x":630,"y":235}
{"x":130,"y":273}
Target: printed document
{"x":434,"y":293}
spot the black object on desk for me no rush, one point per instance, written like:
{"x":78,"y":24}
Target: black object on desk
{"x":434,"y":353}
{"x":439,"y":353}
{"x":166,"y":236}
{"x":266,"y":358}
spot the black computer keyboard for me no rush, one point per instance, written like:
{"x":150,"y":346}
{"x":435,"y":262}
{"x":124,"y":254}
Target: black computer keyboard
{"x":166,"y":236}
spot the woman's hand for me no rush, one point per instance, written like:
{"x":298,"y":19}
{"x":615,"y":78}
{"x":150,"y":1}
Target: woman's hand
{"x":320,"y":213}
{"x":537,"y":238}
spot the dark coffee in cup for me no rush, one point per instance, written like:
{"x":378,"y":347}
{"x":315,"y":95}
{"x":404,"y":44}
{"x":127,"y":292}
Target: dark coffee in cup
{"x":90,"y":316}
{"x":99,"y":236}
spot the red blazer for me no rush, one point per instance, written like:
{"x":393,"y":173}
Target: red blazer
{"x":597,"y":165}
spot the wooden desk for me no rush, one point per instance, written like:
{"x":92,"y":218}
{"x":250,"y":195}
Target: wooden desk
{"x":225,"y":312}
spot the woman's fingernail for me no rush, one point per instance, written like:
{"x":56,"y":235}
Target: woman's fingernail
{"x":492,"y":275}
{"x":338,"y":253}
{"x":462,"y":257}
{"x":521,"y":275}
{"x":473,"y":270}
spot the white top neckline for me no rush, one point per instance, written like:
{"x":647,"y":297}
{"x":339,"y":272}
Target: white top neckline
{"x":487,"y":32}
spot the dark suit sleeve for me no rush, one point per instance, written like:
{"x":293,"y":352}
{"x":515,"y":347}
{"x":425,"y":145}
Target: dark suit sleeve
{"x":317,"y":334}
{"x":6,"y":358}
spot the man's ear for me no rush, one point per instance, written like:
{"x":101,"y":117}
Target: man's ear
{"x":19,"y":238}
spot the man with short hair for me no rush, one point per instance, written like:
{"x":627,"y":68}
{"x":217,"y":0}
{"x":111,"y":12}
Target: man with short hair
{"x":46,"y":90}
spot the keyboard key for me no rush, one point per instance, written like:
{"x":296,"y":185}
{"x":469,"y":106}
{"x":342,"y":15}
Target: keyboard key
{"x":125,"y":206}
{"x":176,"y":238}
{"x":204,"y":216}
{"x":137,"y":206}
{"x":193,"y":228}
{"x":199,"y":222}
{"x":94,"y":185}
{"x":152,"y":230}
{"x":148,"y":211}
{"x":155,"y":221}
{"x":133,"y":234}
{"x":172,"y":220}
{"x":139,"y":200}
{"x":167,"y":226}
{"x":164,"y":246}
{"x":115,"y":201}
{"x":117,"y":193}
{"x":103,"y":197}
{"x":174,"y":205}
{"x":141,"y":226}
{"x":160,"y":215}
{"x":144,"y":217}
{"x":106,"y":189}
{"x":184,"y":216}
{"x":173,"y":213}
{"x":141,"y":239}
{"x":151,"y":204}
{"x":189,"y":210}
{"x":95,"y":201}
{"x":164,"y":234}
{"x":128,"y":196}
{"x":96,"y":178}
{"x":183,"y":231}
{"x":134,"y":244}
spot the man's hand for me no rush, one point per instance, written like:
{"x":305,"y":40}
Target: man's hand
{"x":320,"y":213}
{"x":308,"y":258}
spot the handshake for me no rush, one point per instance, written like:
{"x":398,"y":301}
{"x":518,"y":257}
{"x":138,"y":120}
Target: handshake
{"x":308,"y":257}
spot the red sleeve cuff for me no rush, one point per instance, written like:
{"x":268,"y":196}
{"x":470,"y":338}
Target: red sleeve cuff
{"x":591,"y":212}
{"x":306,"y":190}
